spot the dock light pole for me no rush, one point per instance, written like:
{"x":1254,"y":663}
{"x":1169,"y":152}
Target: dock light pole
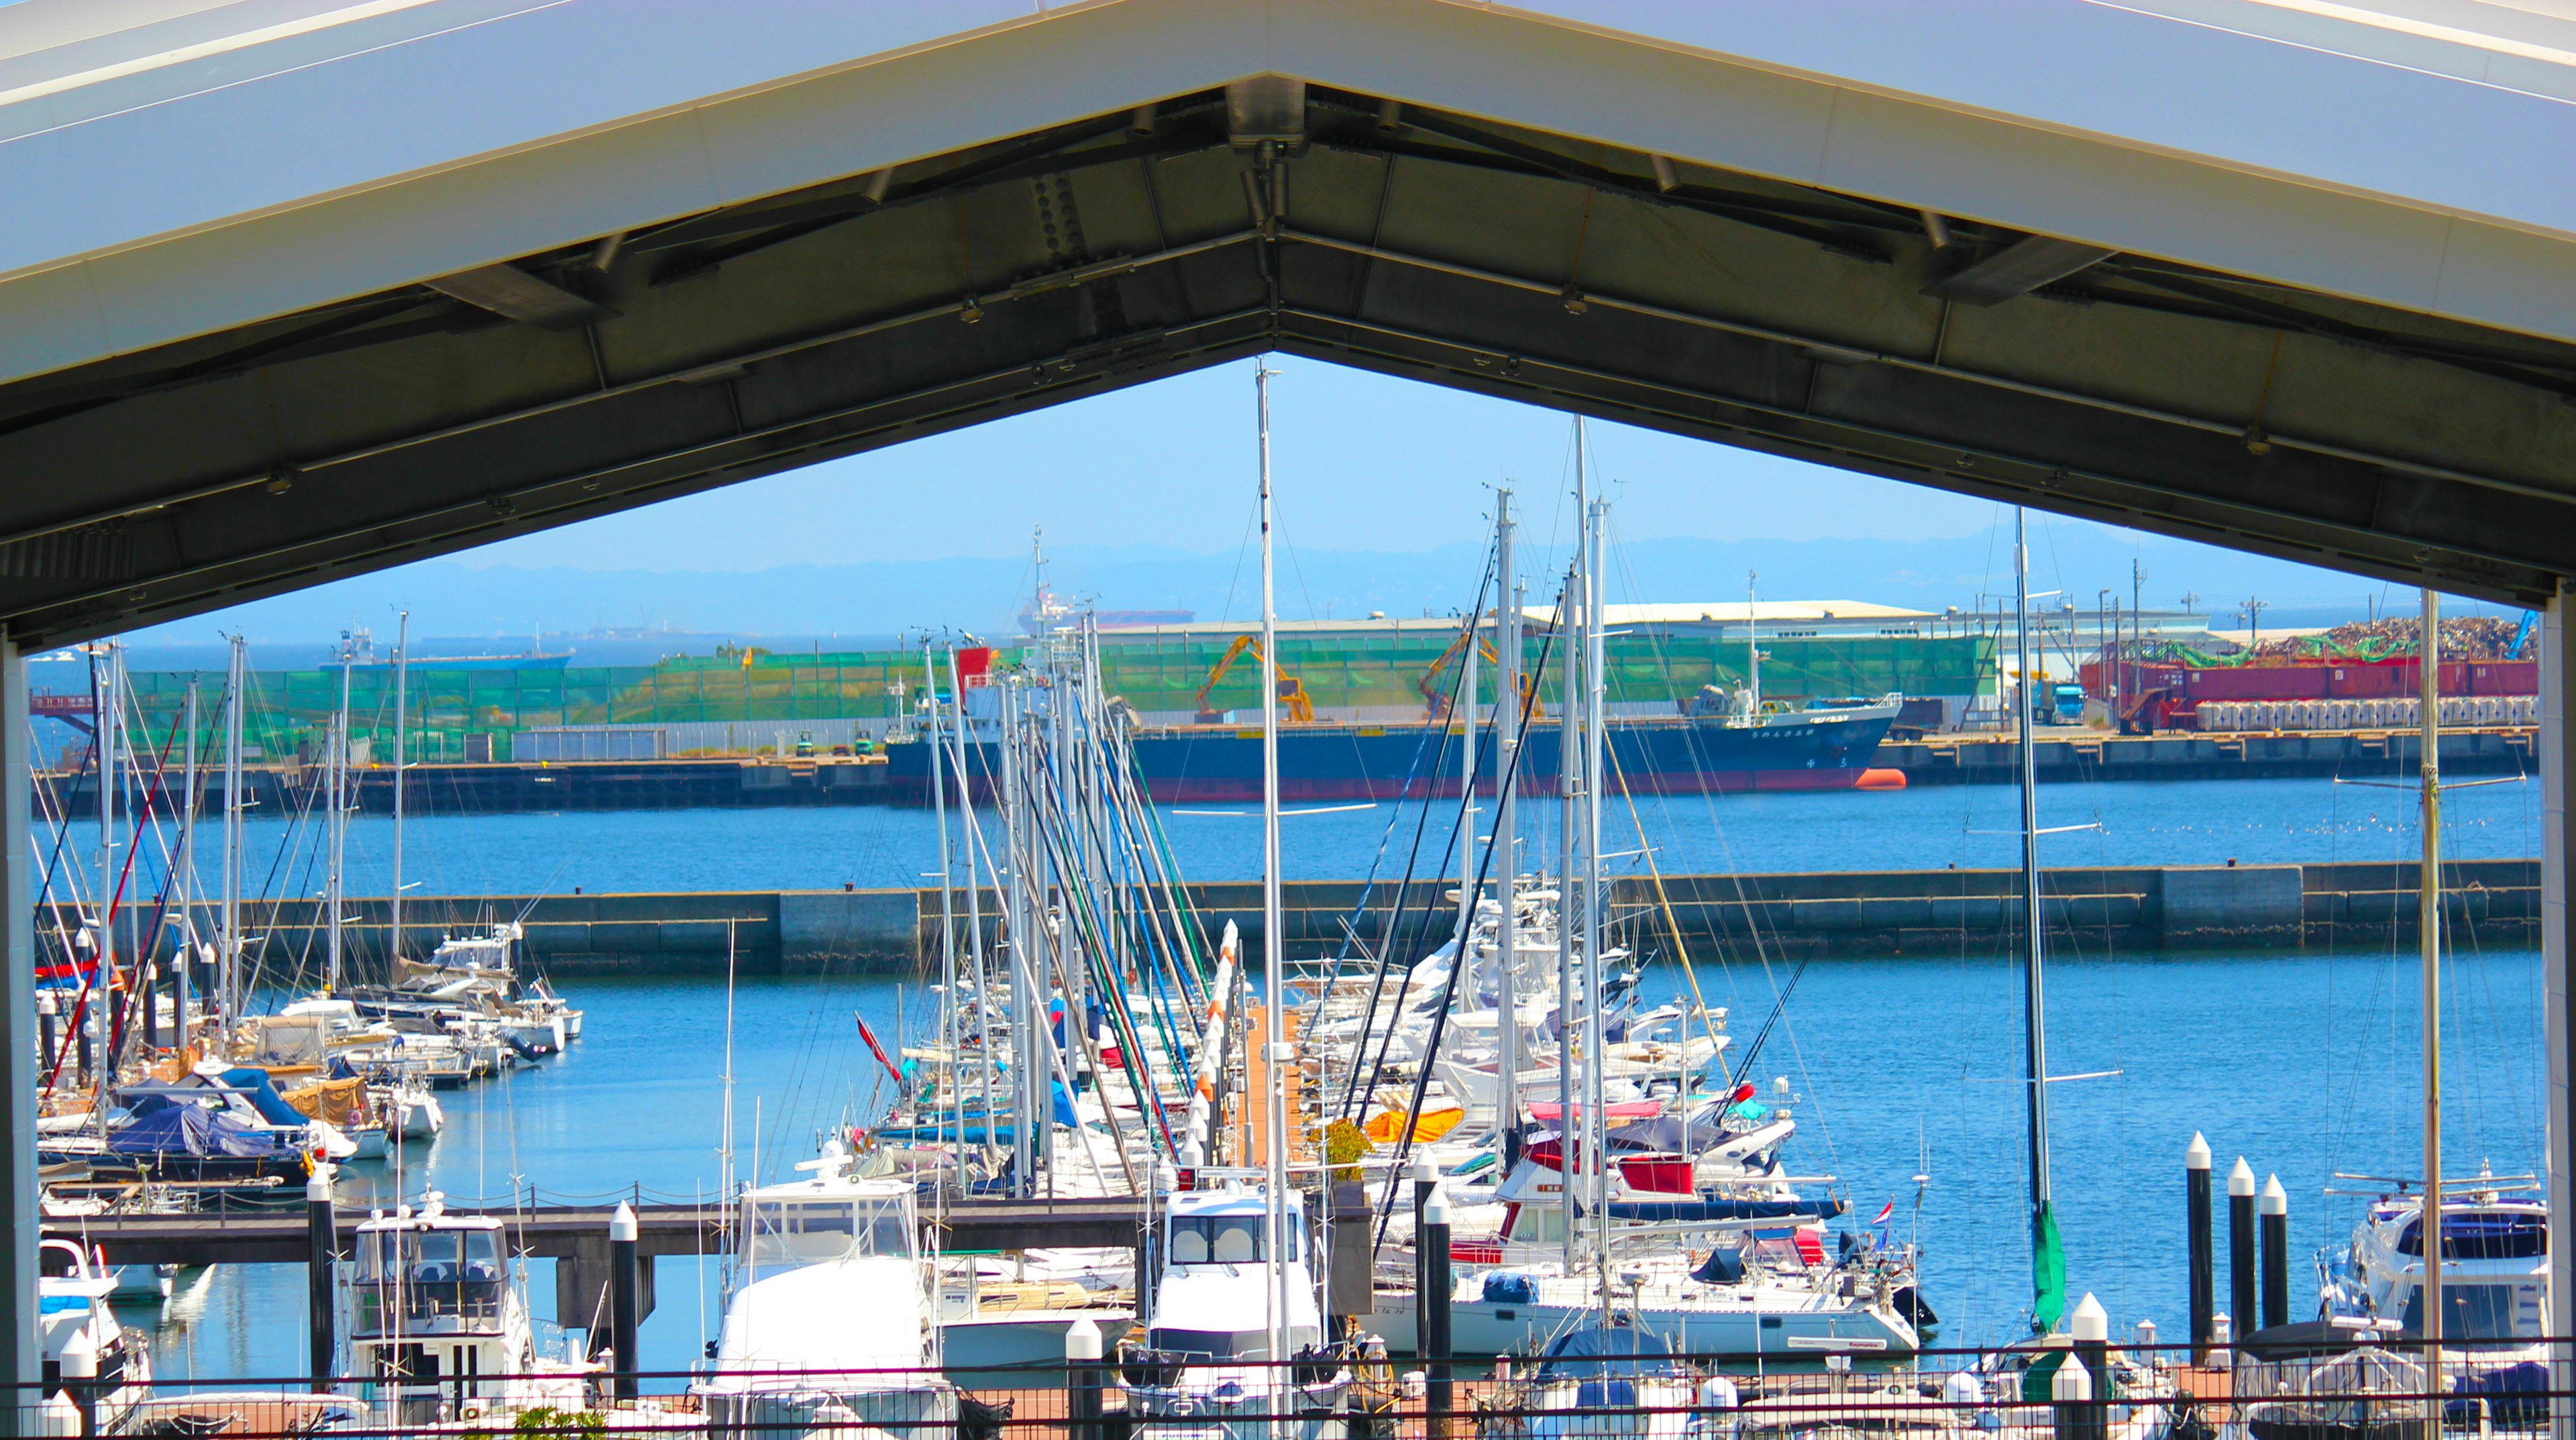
{"x":624,"y":1282}
{"x":1432,"y":1242}
{"x":2204,"y":1281}
{"x":321,"y":1233}
{"x":2240,"y":1247}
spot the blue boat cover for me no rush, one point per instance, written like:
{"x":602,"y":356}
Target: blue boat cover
{"x":1502,"y":1287}
{"x":1722,"y":1267}
{"x":272,"y":1107}
{"x":1678,"y":1210}
{"x":191,"y":1130}
{"x":1599,"y":1353}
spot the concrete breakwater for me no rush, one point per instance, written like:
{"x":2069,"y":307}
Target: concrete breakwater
{"x":2346,"y":906}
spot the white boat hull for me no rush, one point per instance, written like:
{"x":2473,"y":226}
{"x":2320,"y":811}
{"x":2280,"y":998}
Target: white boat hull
{"x":1484,"y":1328}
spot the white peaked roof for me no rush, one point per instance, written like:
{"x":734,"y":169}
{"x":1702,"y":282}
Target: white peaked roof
{"x":177,"y":167}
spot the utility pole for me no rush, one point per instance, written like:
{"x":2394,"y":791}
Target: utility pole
{"x":2253,"y":621}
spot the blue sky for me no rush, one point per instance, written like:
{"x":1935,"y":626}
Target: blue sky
{"x":1146,"y":497}
{"x":1363,"y":462}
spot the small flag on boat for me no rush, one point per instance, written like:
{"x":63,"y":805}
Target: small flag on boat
{"x":1885,"y":1213}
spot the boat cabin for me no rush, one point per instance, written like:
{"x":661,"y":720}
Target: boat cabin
{"x":430,"y":1310}
{"x":2495,"y":1266}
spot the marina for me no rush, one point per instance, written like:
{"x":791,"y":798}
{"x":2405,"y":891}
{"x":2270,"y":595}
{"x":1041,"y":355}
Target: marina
{"x":1454,"y":1120}
{"x":1830,"y":923}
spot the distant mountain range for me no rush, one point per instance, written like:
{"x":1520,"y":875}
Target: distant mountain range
{"x":868,"y":600}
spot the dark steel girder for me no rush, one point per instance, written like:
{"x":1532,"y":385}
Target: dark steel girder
{"x":737,"y":343}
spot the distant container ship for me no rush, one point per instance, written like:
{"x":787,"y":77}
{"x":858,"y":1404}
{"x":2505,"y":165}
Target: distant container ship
{"x":1821,"y":749}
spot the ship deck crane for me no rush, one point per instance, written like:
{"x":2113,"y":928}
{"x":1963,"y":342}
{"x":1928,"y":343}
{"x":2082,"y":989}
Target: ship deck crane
{"x":1292,"y":691}
{"x":1435,"y":704}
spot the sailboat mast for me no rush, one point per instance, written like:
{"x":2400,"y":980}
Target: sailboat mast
{"x":947,"y":903}
{"x":1569,"y":788}
{"x":2043,"y":1229}
{"x":974,"y":908}
{"x":1274,"y":970}
{"x":1595,"y":1041}
{"x":402,"y":718}
{"x":1467,"y":790}
{"x":1509,"y":716}
{"x":229,"y":980}
{"x":183,"y":884}
{"x":111,"y":722}
{"x":2429,"y":925}
{"x":334,"y":769}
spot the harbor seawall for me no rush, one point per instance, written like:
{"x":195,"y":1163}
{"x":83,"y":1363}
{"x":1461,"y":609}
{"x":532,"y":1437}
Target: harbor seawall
{"x":2342,"y":906}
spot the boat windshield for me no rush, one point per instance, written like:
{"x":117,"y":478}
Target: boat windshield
{"x":808,"y":1231}
{"x":2481,"y":1312}
{"x":1222,"y":1240}
{"x":428,"y":1275}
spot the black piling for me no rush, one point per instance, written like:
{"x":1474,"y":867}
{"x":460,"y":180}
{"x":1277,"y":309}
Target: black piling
{"x":1426,"y":1178}
{"x":2204,"y":1284}
{"x":148,"y":998}
{"x":2089,"y":1327}
{"x":624,"y":1284}
{"x":322,"y":1234}
{"x":80,"y":1379}
{"x":1432,"y":1241}
{"x":2273,"y":1206}
{"x":2071,"y":1390}
{"x":1082,"y":1380}
{"x":2240,"y":1249}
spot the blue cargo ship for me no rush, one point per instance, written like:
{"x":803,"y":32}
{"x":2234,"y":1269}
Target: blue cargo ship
{"x":1829,"y":749}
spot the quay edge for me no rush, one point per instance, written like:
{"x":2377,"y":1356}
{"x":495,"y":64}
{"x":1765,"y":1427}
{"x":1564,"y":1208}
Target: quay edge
{"x":1835,"y":915}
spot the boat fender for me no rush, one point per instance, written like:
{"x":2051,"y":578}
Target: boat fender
{"x":1717,"y":1393}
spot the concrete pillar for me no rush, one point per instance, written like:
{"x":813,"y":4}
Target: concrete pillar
{"x":17,"y":1036}
{"x":2557,"y":852}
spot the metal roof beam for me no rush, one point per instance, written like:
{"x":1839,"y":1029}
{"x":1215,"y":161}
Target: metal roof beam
{"x":2016,"y":270}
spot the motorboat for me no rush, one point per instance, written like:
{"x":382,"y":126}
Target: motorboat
{"x":2495,"y":1270}
{"x":1611,"y":1378}
{"x":1202,"y":1366}
{"x":438,"y":1326}
{"x":73,"y":1311}
{"x":828,"y":1318}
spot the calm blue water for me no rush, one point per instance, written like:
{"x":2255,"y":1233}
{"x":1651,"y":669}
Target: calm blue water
{"x":2304,"y":1063}
{"x":2163,"y":823}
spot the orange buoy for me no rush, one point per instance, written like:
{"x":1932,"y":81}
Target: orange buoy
{"x":1879,"y":777}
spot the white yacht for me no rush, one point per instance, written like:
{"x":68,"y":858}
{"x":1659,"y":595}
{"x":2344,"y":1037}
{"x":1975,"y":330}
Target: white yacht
{"x":828,"y":1317}
{"x":438,"y":1327}
{"x":1198,"y":1369}
{"x":72,"y":1310}
{"x":2495,"y":1270}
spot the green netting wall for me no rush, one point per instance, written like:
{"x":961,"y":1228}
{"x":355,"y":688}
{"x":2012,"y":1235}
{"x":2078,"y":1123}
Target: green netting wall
{"x":290,"y":710}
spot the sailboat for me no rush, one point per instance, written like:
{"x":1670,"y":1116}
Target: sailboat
{"x":2020,"y":1378}
{"x":1238,"y":1252}
{"x":1599,"y":1237}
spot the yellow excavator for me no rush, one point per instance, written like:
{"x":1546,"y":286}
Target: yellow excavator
{"x":1435,"y":701}
{"x":1292,"y":691}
